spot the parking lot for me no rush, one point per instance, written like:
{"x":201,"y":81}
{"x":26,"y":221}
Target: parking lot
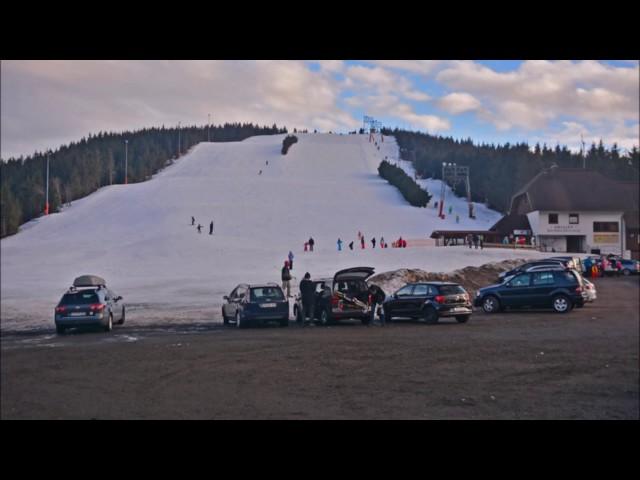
{"x":516,"y":365}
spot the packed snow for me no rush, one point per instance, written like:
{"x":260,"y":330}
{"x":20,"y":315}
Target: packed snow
{"x":140,"y":238}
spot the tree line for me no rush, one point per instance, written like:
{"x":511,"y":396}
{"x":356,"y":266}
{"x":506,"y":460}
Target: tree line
{"x":498,"y":171}
{"x":410,"y":190}
{"x":80,"y":168}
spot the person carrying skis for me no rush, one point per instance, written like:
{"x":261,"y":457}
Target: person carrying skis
{"x":339,"y":245}
{"x":311,"y":244}
{"x":286,"y":278}
{"x":211,"y":228}
{"x":290,"y":256}
{"x":376,"y":298}
{"x":373,"y":242}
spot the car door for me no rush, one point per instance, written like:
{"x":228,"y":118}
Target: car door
{"x":542,"y":284}
{"x":516,"y":292}
{"x":401,"y":303}
{"x":418,"y":296}
{"x":230,"y":306}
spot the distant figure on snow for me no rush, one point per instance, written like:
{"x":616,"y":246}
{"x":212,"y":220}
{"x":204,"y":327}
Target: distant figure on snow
{"x":267,"y":162}
{"x":211,"y":228}
{"x":351,"y":245}
{"x":311,"y":244}
{"x":362,"y":242}
{"x":382,"y":244}
{"x":193,"y":221}
{"x":306,"y":246}
{"x":457,"y":218}
{"x":373,"y":242}
{"x":286,"y":279}
{"x":290,"y":256}
{"x":199,"y":228}
{"x":436,"y":205}
{"x":339,"y":245}
{"x":450,"y":209}
{"x":260,"y":172}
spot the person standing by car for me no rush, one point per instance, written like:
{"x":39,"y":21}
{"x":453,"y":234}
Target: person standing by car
{"x":376,"y":298}
{"x":307,"y":295}
{"x":290,"y":256}
{"x":286,"y":279}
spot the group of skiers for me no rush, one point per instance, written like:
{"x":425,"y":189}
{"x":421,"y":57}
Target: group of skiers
{"x":308,"y":245}
{"x":474,"y":240}
{"x":598,"y":267}
{"x":199,"y":227}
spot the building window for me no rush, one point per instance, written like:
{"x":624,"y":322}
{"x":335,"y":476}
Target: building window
{"x":574,"y":219}
{"x":605,"y":226}
{"x":553,"y":219}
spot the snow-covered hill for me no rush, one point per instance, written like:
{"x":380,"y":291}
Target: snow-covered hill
{"x":139,"y":236}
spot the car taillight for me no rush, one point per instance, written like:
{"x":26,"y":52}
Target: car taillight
{"x":61,"y":309}
{"x":579,"y":290}
{"x":439,"y":298}
{"x":98,"y":307}
{"x":334,"y":301}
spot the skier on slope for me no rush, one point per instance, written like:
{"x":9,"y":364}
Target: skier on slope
{"x":199,"y":228}
{"x":211,"y":228}
{"x":373,"y":242}
{"x":339,"y":245}
{"x":193,"y":220}
{"x":290,"y":256}
{"x":351,"y":245}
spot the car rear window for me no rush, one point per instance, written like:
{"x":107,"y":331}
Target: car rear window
{"x":262,"y":294}
{"x":450,"y":289}
{"x":571,"y":277}
{"x":79,"y":298}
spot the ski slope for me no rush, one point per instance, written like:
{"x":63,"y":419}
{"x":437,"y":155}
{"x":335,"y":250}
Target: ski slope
{"x":139,"y":236}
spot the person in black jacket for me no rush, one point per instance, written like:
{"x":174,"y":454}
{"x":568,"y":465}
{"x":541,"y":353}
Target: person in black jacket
{"x":376,"y":297}
{"x":308,"y":296}
{"x":286,"y":279}
{"x":311,"y":244}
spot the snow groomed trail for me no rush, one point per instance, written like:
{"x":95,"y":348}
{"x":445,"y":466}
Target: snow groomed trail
{"x":139,"y":236}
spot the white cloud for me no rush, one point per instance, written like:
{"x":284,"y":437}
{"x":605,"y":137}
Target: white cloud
{"x":458,"y":102}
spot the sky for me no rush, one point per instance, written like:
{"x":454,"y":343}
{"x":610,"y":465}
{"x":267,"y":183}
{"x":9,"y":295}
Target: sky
{"x":45,"y":104}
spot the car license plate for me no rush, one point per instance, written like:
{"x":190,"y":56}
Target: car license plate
{"x":267,"y":305}
{"x":77,"y":314}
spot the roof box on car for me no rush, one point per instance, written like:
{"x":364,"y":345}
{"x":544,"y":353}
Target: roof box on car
{"x":89,"y":281}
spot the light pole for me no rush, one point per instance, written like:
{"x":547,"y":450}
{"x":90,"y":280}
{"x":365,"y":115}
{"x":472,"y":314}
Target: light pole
{"x":126,"y":161}
{"x":209,"y":129}
{"x":46,"y":202}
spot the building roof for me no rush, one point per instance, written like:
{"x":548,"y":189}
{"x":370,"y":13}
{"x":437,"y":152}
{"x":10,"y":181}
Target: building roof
{"x":507,"y":224}
{"x":459,"y":233}
{"x":577,"y":189}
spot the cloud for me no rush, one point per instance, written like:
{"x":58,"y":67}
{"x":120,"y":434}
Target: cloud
{"x":48,"y":103}
{"x":456,"y":103}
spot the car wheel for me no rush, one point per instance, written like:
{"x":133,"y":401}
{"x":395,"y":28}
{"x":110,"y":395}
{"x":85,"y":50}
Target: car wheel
{"x":491,"y":304}
{"x":561,"y":303}
{"x":109,"y":326}
{"x":225,"y":319}
{"x":430,"y":315}
{"x":60,"y":329}
{"x":121,"y":322}
{"x":626,"y":272}
{"x":324,"y":317}
{"x":462,"y":318}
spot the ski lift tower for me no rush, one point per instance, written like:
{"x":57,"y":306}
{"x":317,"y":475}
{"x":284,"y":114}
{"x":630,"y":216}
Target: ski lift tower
{"x":453,"y":174}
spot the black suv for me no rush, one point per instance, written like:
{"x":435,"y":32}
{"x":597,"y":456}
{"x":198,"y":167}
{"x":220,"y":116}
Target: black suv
{"x":346,"y":295}
{"x":429,"y":301}
{"x":248,"y":304}
{"x":557,"y":289}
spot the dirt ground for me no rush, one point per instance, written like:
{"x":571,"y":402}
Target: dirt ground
{"x":515,"y":365}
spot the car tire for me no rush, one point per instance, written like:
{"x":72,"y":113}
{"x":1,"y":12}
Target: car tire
{"x":109,"y":326}
{"x":325,"y":318}
{"x":60,"y":329}
{"x":121,"y":322}
{"x":626,"y":272}
{"x":462,"y":318}
{"x":491,"y":304}
{"x":225,"y":319}
{"x":561,"y":304}
{"x":430,"y":316}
